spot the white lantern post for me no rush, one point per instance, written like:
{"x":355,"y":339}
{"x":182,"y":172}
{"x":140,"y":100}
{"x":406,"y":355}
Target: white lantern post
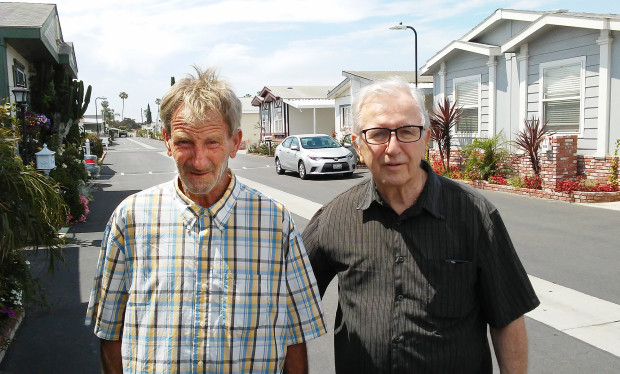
{"x":45,"y":160}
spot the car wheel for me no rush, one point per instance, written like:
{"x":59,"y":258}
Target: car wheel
{"x":302,"y":170}
{"x":279,"y":169}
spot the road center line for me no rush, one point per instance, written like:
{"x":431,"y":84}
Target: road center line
{"x":587,"y":318}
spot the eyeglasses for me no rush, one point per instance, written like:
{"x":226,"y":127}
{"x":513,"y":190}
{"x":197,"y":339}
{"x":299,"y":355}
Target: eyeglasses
{"x":382,"y":135}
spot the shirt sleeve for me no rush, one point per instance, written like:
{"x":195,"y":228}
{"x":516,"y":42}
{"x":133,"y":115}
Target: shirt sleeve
{"x":321,"y":266}
{"x":305,"y":311}
{"x":108,"y":297}
{"x":505,"y":289}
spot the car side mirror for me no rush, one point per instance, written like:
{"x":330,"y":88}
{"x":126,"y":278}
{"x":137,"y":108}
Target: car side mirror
{"x":295,"y":148}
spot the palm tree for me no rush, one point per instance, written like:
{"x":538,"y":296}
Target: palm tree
{"x":123,"y":95}
{"x":158,"y":102}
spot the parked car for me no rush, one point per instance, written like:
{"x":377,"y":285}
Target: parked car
{"x":91,"y":165}
{"x":122,"y":133}
{"x":347,"y":142}
{"x":310,"y":154}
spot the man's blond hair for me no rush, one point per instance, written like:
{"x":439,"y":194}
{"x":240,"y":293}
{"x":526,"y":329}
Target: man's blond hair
{"x":201,"y":97}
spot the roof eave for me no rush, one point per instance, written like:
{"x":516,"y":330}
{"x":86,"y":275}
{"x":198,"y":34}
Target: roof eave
{"x":558,"y":20}
{"x":477,"y":48}
{"x":497,"y":16}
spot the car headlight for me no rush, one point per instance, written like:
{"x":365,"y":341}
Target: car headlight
{"x":314,"y":158}
{"x":350,"y":155}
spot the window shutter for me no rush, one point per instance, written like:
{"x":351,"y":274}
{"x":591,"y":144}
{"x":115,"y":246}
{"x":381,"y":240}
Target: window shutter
{"x":562,"y":97}
{"x":562,"y":81}
{"x":467,"y":98}
{"x":467,"y":93}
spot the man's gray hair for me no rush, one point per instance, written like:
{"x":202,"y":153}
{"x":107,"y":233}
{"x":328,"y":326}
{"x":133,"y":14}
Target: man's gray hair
{"x":390,"y":86}
{"x":201,"y":96}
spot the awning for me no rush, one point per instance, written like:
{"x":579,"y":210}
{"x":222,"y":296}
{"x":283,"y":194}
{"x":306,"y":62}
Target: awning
{"x":310,"y":103}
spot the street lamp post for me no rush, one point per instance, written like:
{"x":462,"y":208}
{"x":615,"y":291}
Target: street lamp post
{"x":400,"y":26}
{"x":96,"y":115}
{"x":21,"y":100}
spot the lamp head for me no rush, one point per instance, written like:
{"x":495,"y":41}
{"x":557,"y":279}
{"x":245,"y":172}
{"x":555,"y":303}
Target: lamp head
{"x":21,"y":95}
{"x":400,"y":26}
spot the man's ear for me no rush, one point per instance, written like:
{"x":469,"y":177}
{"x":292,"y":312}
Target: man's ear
{"x":236,"y":139}
{"x":166,"y":141}
{"x":354,"y":140}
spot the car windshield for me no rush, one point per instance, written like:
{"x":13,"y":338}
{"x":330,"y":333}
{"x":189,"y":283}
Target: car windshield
{"x":315,"y":142}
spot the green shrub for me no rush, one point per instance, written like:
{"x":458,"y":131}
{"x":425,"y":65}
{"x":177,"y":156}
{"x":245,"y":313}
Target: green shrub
{"x":262,"y":148}
{"x":96,"y":146}
{"x":486,"y":157}
{"x":71,"y":174}
{"x":515,"y":181}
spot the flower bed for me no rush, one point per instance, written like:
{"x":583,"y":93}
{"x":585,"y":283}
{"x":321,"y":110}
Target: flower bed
{"x":571,"y":196}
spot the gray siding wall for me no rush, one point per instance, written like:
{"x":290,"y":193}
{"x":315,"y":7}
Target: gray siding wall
{"x":561,"y":43}
{"x":465,"y":64}
{"x":502,"y":32}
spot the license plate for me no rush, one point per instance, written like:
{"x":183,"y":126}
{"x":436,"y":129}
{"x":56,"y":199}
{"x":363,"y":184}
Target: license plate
{"x":337,"y":166}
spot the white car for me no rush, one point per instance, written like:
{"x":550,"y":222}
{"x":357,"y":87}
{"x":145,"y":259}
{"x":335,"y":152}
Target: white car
{"x":313,"y":154}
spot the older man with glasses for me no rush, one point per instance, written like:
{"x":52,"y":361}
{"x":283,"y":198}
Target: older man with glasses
{"x":424,"y":264}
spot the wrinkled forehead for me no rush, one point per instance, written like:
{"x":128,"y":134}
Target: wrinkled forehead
{"x":397,"y":106}
{"x":184,"y":114}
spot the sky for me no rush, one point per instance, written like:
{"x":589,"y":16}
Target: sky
{"x":136,"y":46}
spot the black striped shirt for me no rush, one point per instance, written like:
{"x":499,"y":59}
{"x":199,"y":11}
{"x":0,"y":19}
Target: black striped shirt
{"x":417,"y":291}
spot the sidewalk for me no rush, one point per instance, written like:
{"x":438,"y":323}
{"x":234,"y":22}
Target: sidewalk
{"x":55,"y":339}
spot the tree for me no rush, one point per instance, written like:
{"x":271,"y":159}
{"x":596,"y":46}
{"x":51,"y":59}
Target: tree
{"x":158,"y":102}
{"x":443,"y":118}
{"x":123,"y":95}
{"x":530,"y":139}
{"x":149,"y":118}
{"x":172,"y":81}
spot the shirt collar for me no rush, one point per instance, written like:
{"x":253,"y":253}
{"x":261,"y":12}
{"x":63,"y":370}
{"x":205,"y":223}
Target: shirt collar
{"x":430,"y":197}
{"x":219,"y":212}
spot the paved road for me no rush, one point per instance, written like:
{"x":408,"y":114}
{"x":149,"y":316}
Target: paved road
{"x":570,"y":245}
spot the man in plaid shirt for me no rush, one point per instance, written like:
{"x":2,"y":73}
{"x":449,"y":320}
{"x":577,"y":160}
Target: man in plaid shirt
{"x":203,"y":274}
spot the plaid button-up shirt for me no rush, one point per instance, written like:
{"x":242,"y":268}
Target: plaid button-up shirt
{"x":188,"y":289}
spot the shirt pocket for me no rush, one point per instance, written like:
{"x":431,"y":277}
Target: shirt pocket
{"x":451,"y":288}
{"x":250,"y":304}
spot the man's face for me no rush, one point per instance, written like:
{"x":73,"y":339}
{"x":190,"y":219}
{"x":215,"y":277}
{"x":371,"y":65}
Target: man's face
{"x":201,"y":151}
{"x":393,"y":165}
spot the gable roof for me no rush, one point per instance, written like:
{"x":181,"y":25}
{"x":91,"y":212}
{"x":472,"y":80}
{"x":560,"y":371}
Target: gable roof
{"x":24,"y":14}
{"x":372,"y":76}
{"x":537,"y":21}
{"x":298,"y":96}
{"x":246,"y":105}
{"x":34,"y":31}
{"x":581,"y":20}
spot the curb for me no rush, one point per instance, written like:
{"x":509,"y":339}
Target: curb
{"x":9,"y":333}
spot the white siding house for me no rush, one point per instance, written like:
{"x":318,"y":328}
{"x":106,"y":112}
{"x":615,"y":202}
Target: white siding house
{"x":344,"y":92}
{"x":560,"y":67}
{"x":290,"y":110}
{"x":30,"y":34}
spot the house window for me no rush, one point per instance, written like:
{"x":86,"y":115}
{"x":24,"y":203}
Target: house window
{"x":562,"y":94}
{"x":467,"y":96}
{"x":345,"y":118}
{"x":265,"y":118}
{"x":19,"y":74}
{"x":278,"y":119}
